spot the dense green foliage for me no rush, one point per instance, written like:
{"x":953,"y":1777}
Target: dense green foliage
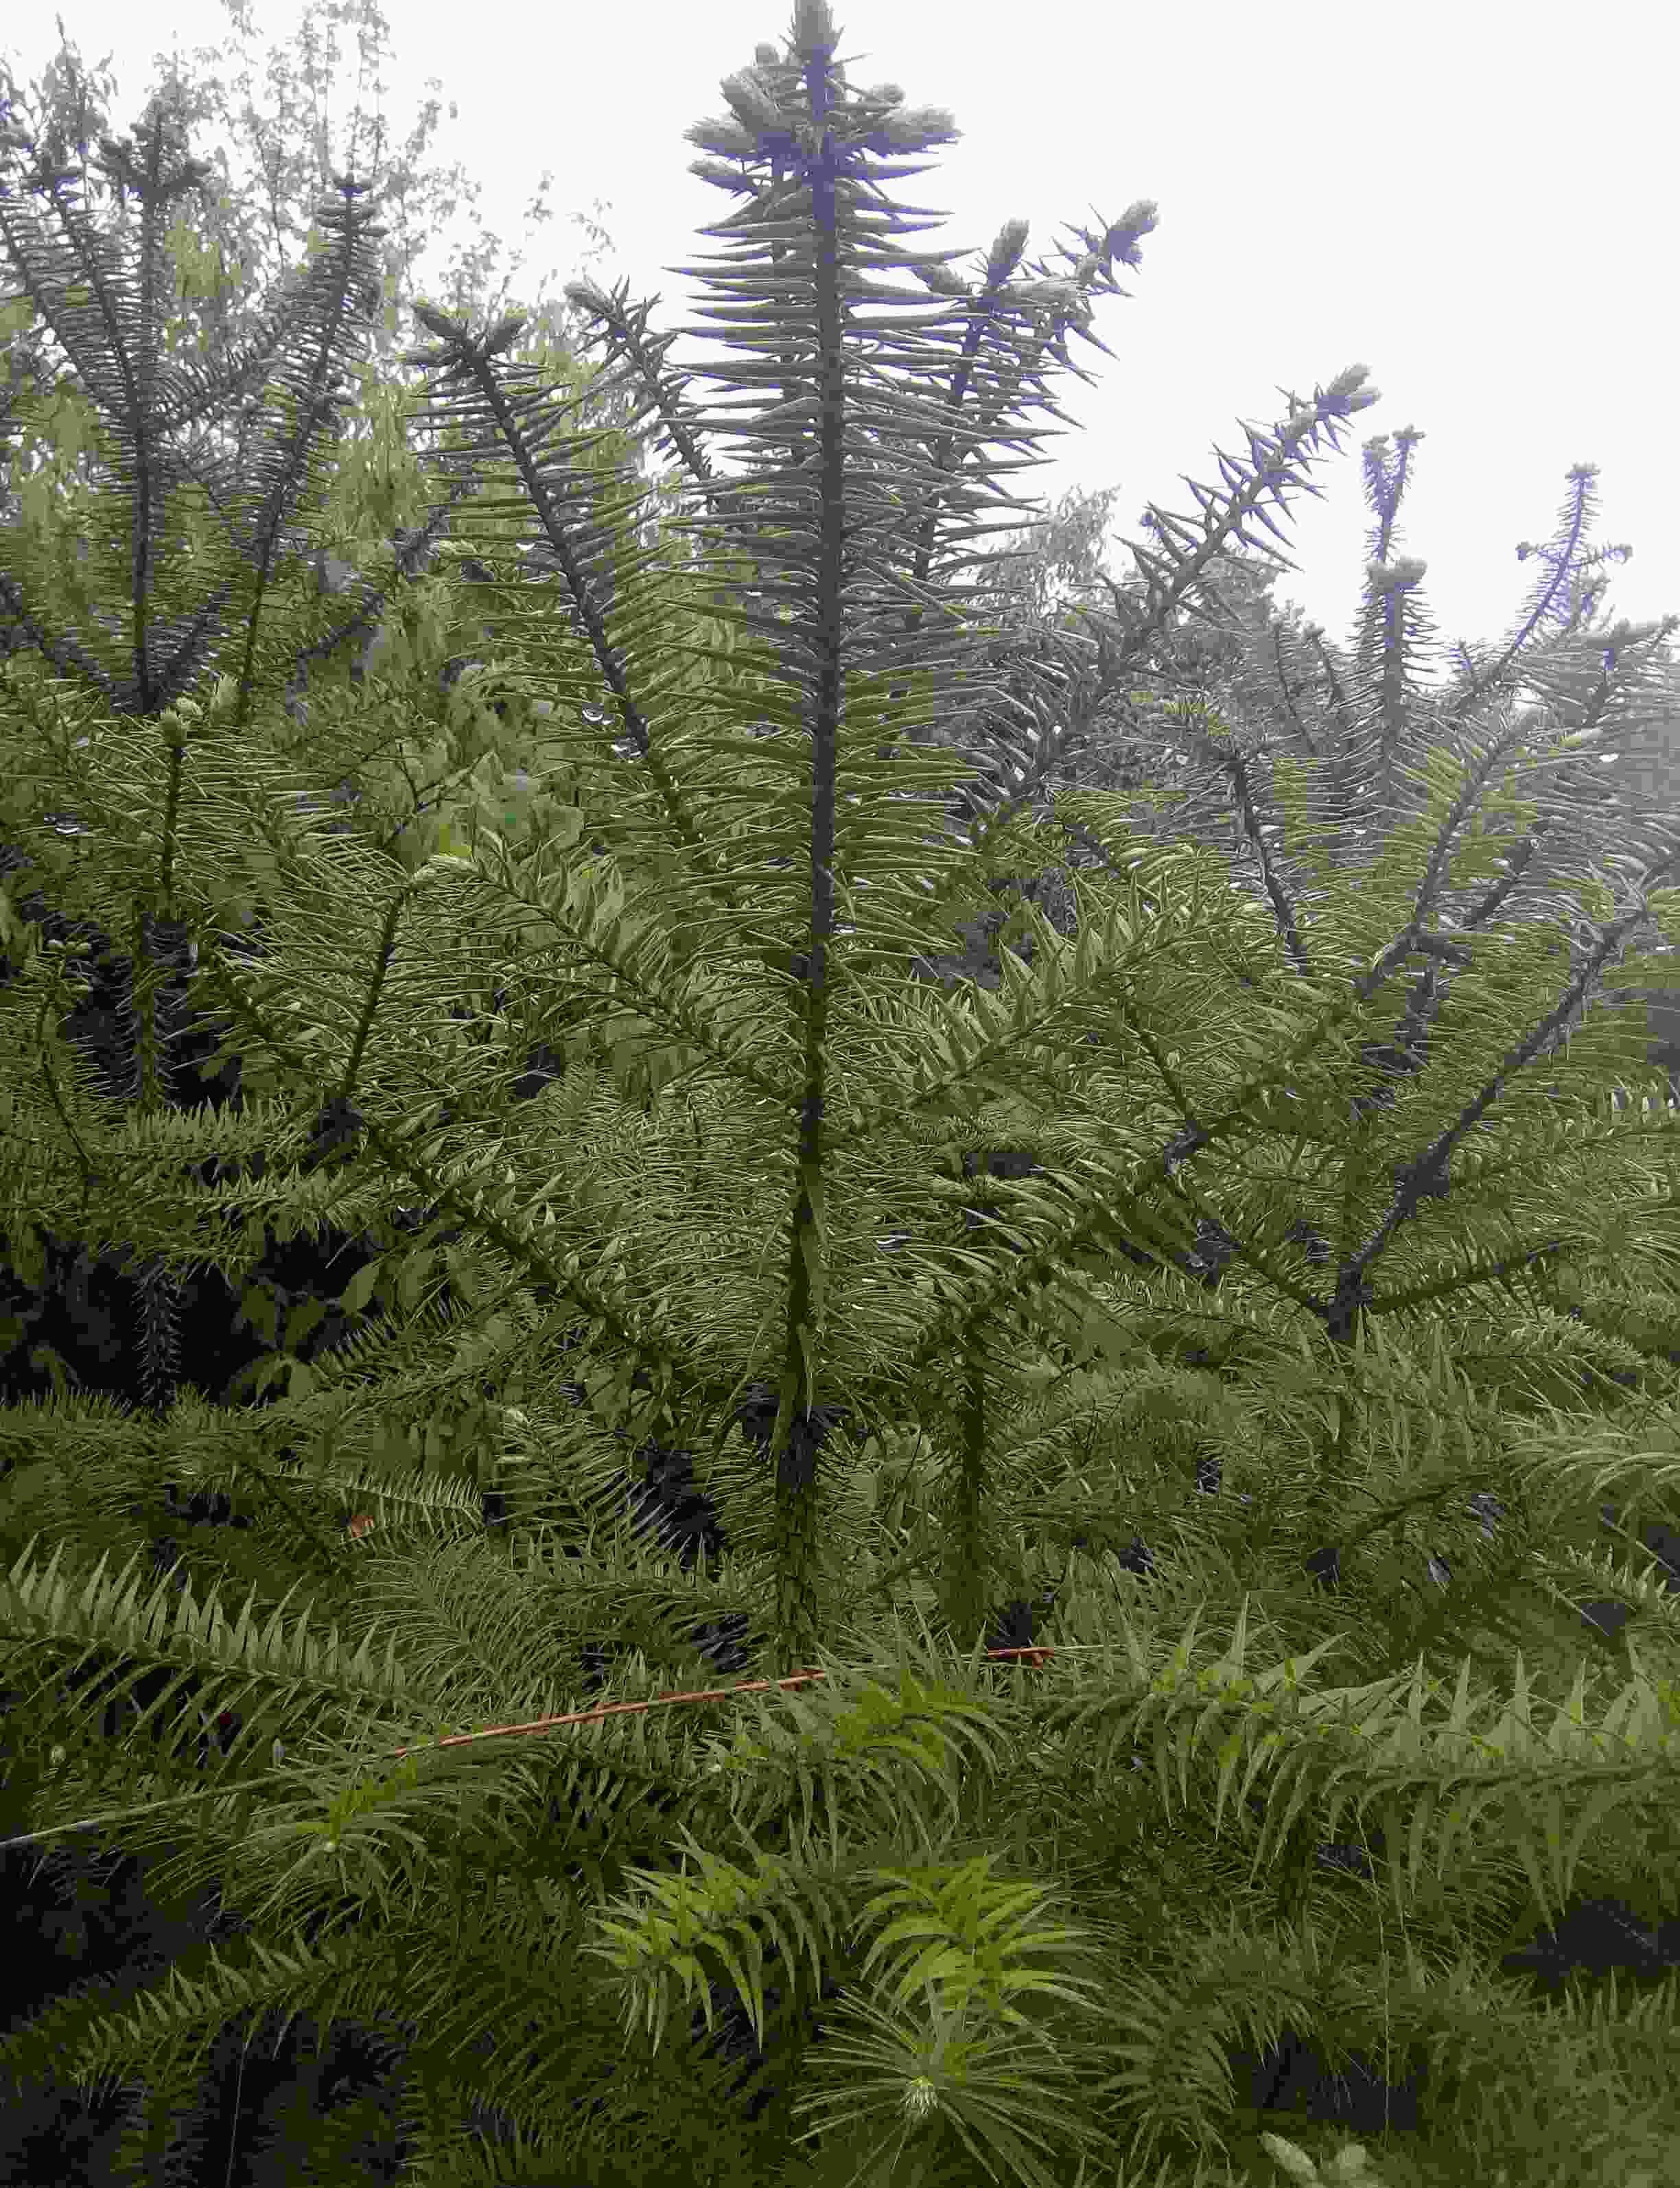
{"x":1271,"y":1275}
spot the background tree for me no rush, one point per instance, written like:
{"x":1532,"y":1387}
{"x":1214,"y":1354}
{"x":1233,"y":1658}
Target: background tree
{"x":237,"y":235}
{"x":1066,"y":588}
{"x":269,"y":168}
{"x":250,"y":226}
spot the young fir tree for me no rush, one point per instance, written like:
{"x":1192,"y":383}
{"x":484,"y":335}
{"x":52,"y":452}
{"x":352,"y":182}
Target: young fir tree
{"x":1294,"y":1329}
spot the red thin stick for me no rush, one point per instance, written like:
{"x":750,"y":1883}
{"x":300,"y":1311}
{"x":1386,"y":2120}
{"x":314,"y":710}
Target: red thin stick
{"x":1035,"y":1656}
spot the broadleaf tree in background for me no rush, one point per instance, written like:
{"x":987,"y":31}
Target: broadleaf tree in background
{"x":247,"y":225}
{"x":236,"y":235}
{"x":244,"y":226}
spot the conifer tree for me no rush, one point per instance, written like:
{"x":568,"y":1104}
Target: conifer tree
{"x":1247,"y":1291}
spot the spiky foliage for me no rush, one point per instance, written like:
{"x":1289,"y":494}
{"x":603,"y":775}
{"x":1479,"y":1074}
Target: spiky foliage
{"x":1285,"y":1260}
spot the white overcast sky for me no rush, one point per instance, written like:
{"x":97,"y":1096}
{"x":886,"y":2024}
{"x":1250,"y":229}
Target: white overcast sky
{"x":1474,"y":201}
